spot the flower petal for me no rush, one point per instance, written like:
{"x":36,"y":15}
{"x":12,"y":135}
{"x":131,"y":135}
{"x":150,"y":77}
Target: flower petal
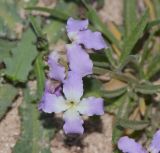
{"x":79,"y":60}
{"x":127,"y":145}
{"x":73,"y":87}
{"x":53,"y":87}
{"x":91,"y":106}
{"x":56,"y":71}
{"x":155,"y":144}
{"x":76,"y":25}
{"x":91,"y":40}
{"x":73,"y":122}
{"x":51,"y":103}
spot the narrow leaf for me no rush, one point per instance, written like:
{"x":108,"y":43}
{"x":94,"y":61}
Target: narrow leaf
{"x":157,"y":7}
{"x":130,"y":15}
{"x":134,"y":36}
{"x":153,"y":67}
{"x":153,"y":23}
{"x":114,"y":93}
{"x":39,"y":75}
{"x":60,"y":14}
{"x":147,"y":89}
{"x":109,"y":54}
{"x":136,"y":125}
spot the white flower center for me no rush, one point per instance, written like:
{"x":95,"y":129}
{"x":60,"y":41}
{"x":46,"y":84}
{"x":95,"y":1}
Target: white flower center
{"x":73,"y":36}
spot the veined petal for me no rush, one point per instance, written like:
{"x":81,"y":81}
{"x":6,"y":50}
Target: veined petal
{"x":76,"y":25}
{"x":155,"y":144}
{"x":51,"y":103}
{"x":128,"y":145}
{"x":73,"y":122}
{"x":73,"y":87}
{"x":91,"y":40}
{"x":53,"y":87}
{"x":79,"y":60}
{"x":91,"y":106}
{"x":56,"y":71}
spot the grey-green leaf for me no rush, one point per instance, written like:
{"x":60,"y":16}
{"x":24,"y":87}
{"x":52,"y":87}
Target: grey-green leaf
{"x":5,"y":48}
{"x":34,"y":136}
{"x":136,"y":125}
{"x":147,"y":89}
{"x":153,"y":66}
{"x":134,"y":36}
{"x":130,"y":15}
{"x":7,"y":94}
{"x":20,"y":64}
{"x":114,"y":93}
{"x":39,"y":71}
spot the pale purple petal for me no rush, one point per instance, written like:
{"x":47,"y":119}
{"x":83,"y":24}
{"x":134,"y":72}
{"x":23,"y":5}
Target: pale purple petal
{"x":91,"y":106}
{"x":56,"y":71}
{"x":51,"y":103}
{"x":128,"y":145}
{"x":76,"y":25}
{"x":79,"y":60}
{"x":73,"y":87}
{"x":73,"y":122}
{"x":91,"y":40}
{"x":155,"y":144}
{"x":53,"y":87}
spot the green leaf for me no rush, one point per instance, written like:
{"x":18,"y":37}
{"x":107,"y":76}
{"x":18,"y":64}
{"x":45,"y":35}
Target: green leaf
{"x":36,"y":26}
{"x":110,"y":56}
{"x":114,"y":93}
{"x":62,"y":10}
{"x":99,"y":25}
{"x":153,"y":23}
{"x":91,"y":87}
{"x":41,"y":42}
{"x":147,"y":89}
{"x":123,"y":105}
{"x":34,"y":136}
{"x":134,"y":36}
{"x":5,"y":48}
{"x":101,"y":64}
{"x":60,"y":14}
{"x":136,"y":125}
{"x":153,"y":67}
{"x":20,"y":64}
{"x":117,"y":133}
{"x":116,"y":75}
{"x":130,"y":15}
{"x":54,"y":31}
{"x":39,"y":75}
{"x":7,"y":94}
{"x":157,"y":7}
{"x":9,"y":18}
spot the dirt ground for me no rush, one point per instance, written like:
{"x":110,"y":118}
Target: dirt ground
{"x":98,"y":140}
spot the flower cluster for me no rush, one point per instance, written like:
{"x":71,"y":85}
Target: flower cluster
{"x":128,"y":145}
{"x":64,"y":88}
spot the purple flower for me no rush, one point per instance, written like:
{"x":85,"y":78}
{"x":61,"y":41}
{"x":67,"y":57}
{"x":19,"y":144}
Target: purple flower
{"x":78,"y":33}
{"x":78,"y":59}
{"x":72,"y":105}
{"x":57,"y":73}
{"x":155,"y":144}
{"x":128,"y":145}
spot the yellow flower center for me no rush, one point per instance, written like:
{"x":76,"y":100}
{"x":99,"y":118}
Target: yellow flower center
{"x":71,"y":104}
